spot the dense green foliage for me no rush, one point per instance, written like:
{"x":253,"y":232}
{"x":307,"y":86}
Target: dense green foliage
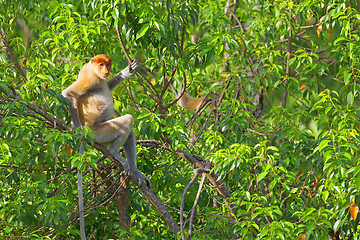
{"x":290,"y":161}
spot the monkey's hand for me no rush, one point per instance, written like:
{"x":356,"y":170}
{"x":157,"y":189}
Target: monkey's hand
{"x":70,"y":95}
{"x":124,"y":74}
{"x":133,"y":66}
{"x":71,"y":100}
{"x":140,"y":177}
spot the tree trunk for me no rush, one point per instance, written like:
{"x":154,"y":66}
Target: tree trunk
{"x":120,"y":197}
{"x":121,"y":201}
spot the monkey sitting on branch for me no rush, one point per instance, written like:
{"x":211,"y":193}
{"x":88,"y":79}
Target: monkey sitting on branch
{"x":93,"y":106}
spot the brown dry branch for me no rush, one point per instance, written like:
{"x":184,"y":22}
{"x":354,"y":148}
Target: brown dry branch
{"x":196,"y":174}
{"x":168,"y":82}
{"x":56,"y":122}
{"x":193,"y":209}
{"x":214,"y":179}
{"x":198,"y":162}
{"x":202,"y":128}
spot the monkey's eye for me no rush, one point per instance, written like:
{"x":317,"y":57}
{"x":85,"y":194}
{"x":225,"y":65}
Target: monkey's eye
{"x":101,"y":64}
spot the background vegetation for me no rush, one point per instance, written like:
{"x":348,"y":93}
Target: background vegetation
{"x":281,"y":133}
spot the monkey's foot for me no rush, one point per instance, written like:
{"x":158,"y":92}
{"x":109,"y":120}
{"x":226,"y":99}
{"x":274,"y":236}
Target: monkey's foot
{"x":126,"y":168}
{"x":122,"y":161}
{"x":140,"y":177}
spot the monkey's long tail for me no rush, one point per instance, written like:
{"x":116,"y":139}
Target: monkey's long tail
{"x":81,"y":199}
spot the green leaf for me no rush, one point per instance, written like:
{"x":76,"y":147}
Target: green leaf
{"x":322,"y":145}
{"x":337,"y":225}
{"x":350,"y":98}
{"x":325,"y":195}
{"x":347,"y":78}
{"x":4,"y":85}
{"x":356,"y":171}
{"x":263,"y":232}
{"x":339,"y":40}
{"x":248,"y":195}
{"x":143,"y":30}
{"x":261,"y":176}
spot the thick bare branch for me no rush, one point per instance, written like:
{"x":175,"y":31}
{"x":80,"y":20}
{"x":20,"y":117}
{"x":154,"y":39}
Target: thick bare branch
{"x":160,"y":207}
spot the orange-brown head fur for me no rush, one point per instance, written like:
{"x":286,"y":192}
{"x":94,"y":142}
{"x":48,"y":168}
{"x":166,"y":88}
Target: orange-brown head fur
{"x":102,"y":65}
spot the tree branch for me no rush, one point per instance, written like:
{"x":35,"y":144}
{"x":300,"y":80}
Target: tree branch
{"x":193,"y":209}
{"x":198,"y":162}
{"x":196,"y":174}
{"x":157,"y":98}
{"x":288,"y":57}
{"x":12,"y":55}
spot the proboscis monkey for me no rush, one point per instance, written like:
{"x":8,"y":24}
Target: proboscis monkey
{"x":186,"y":100}
{"x":189,"y":102}
{"x":93,"y":106}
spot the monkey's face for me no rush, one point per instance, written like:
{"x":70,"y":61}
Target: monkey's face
{"x":102,"y":65}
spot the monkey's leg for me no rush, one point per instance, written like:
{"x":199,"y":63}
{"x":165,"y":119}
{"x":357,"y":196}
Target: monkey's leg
{"x":115,"y":132}
{"x":130,"y":150}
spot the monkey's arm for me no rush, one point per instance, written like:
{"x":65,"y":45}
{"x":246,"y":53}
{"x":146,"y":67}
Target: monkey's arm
{"x":74,"y":117}
{"x":73,"y":109}
{"x":124,"y":74}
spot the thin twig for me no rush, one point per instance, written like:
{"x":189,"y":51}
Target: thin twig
{"x":203,"y":127}
{"x":157,"y":98}
{"x":196,"y":174}
{"x":195,"y":204}
{"x":180,"y":95}
{"x":168,"y":82}
{"x":223,"y":92}
{"x":300,"y":33}
{"x":12,"y":55}
{"x":288,"y":57}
